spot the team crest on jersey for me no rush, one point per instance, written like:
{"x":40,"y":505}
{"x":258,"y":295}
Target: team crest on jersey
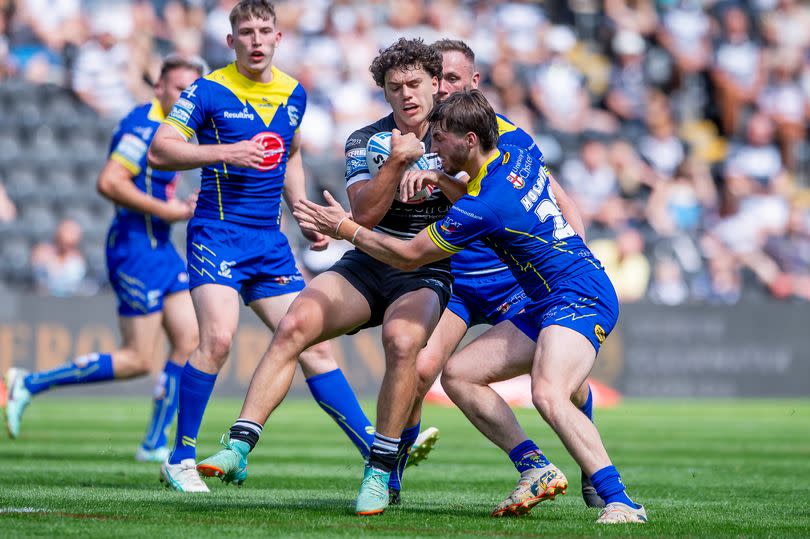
{"x":450,"y":226}
{"x":295,"y":116}
{"x":225,"y":268}
{"x":516,"y":180}
{"x":273,"y":149}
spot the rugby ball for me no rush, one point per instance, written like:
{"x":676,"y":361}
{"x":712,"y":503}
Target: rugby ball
{"x":378,"y":149}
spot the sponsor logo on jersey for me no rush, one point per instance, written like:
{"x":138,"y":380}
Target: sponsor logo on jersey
{"x":284,"y":280}
{"x":355,"y":165}
{"x":144,"y":132}
{"x":359,"y":153}
{"x":450,"y":226}
{"x":274,"y":148}
{"x":243,"y":114}
{"x":516,"y":180}
{"x":354,"y":142}
{"x":185,"y":104}
{"x":295,"y":116}
{"x":600,"y":333}
{"x":225,"y":268}
{"x":467,"y":213}
{"x":132,"y":148}
{"x":180,"y":115}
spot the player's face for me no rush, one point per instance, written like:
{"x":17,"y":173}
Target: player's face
{"x":410,"y":93}
{"x":167,"y":90}
{"x":254,"y":41}
{"x":458,"y":74}
{"x":453,"y":149}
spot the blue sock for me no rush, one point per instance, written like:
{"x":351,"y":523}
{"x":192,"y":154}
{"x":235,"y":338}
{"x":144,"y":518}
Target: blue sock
{"x":609,"y":486}
{"x":82,"y":370}
{"x":333,"y":393}
{"x":195,"y":390}
{"x":166,"y":397}
{"x":406,"y":440}
{"x":587,"y":408}
{"x":527,"y":455}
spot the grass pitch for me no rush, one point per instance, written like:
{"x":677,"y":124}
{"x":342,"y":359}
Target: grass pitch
{"x":702,"y":468}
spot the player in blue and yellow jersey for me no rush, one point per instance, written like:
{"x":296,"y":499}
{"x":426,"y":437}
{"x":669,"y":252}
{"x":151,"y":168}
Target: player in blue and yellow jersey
{"x":486,"y":292}
{"x":246,"y":118}
{"x":359,"y":291}
{"x":147,"y":274}
{"x":572,"y":304}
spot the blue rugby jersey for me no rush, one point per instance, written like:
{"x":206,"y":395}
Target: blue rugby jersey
{"x":477,"y":258}
{"x":225,"y":107}
{"x":128,"y":147}
{"x":510,"y":207}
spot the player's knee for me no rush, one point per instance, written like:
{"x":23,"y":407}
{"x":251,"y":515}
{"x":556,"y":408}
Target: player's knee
{"x":451,"y":381}
{"x":216,"y":346}
{"x":428,"y":366}
{"x":293,"y":330}
{"x":401,"y":348}
{"x":547,"y":400}
{"x":186,"y":344}
{"x":138,"y":362}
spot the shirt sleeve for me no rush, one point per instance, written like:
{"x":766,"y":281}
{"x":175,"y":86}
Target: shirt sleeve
{"x":188,"y":113}
{"x":468,"y":220}
{"x":128,"y":148}
{"x":356,"y":164}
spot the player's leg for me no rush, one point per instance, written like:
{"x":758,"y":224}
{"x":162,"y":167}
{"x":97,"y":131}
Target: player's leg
{"x":583,"y":399}
{"x":563,"y":360}
{"x":325,"y":379}
{"x":180,"y":325}
{"x":501,"y":353}
{"x":329,"y":306}
{"x":132,"y":359}
{"x":407,"y":324}
{"x":217,"y":310}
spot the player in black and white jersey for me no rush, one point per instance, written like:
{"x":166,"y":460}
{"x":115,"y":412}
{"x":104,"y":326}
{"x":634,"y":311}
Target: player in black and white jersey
{"x":359,"y":291}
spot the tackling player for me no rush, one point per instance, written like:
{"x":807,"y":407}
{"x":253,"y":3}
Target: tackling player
{"x":572,"y":307}
{"x":147,"y":274}
{"x":246,"y":118}
{"x":486,"y":292}
{"x":359,"y":291}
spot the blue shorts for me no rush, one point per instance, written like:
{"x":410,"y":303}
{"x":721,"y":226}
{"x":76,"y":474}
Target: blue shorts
{"x":487,"y":299}
{"x":141,"y":275}
{"x":255,"y":261}
{"x":586,"y":303}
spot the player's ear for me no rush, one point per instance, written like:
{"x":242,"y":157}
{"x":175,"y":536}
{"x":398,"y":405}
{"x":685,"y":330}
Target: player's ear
{"x":476,"y":78}
{"x":229,"y":40}
{"x":471,"y":139}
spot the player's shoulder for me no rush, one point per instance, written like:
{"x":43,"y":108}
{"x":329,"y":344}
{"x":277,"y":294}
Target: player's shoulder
{"x":359,"y":138}
{"x":140,"y":121}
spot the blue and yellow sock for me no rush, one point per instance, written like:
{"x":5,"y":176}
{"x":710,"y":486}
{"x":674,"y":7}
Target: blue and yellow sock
{"x":165,"y":407}
{"x":526,"y":455}
{"x":587,"y":408}
{"x":82,"y":370}
{"x":609,"y":486}
{"x":333,"y":393}
{"x":195,"y":390}
{"x":406,"y":440}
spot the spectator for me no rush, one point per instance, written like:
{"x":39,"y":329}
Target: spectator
{"x":668,"y":286}
{"x":785,"y":103}
{"x":637,"y":16}
{"x":8,"y":211}
{"x":625,"y":263}
{"x":661,"y":149}
{"x":59,"y":267}
{"x":627,"y":92}
{"x":684,"y":33}
{"x":680,"y":206}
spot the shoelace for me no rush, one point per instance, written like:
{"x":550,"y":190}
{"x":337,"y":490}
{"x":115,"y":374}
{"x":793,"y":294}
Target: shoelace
{"x":377,"y":486}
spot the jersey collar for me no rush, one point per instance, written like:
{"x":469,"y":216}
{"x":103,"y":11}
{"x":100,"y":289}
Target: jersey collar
{"x":156,"y":113}
{"x":474,"y":185}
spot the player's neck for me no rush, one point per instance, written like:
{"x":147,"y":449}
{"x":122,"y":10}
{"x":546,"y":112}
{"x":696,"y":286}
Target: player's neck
{"x":477,"y":160}
{"x":263,"y":77}
{"x":419,"y":130}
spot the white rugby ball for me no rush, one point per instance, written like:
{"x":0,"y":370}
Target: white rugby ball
{"x":378,"y":149}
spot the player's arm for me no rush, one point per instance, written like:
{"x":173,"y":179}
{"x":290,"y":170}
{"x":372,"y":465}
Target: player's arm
{"x":295,"y":190}
{"x":370,"y":200}
{"x":172,"y":150}
{"x":115,"y":182}
{"x":414,"y":181}
{"x":568,"y":207}
{"x":333,"y":221}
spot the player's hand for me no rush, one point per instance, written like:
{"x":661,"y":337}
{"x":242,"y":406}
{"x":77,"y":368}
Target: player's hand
{"x":321,"y":219}
{"x":405,"y":149}
{"x":191,"y":199}
{"x":318,"y":242}
{"x":176,"y":210}
{"x":245,"y":154}
{"x":414,"y":181}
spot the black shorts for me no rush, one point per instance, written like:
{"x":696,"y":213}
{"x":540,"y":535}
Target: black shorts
{"x":382,"y":284}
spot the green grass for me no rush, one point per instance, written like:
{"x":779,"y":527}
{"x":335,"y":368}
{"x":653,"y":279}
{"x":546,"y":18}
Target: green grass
{"x":702,"y":468}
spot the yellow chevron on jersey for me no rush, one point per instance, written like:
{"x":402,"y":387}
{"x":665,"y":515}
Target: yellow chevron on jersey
{"x":264,"y":97}
{"x":474,"y":185}
{"x":504,"y":125}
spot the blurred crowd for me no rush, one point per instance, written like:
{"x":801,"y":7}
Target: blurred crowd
{"x":678,"y":126}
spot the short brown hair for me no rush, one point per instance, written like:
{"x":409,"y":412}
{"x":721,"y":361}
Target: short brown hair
{"x":406,"y":54}
{"x":449,"y":45}
{"x":178,"y":61}
{"x":252,"y":9}
{"x":467,"y":111}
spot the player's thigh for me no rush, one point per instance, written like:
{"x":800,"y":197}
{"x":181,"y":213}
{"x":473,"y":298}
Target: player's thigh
{"x":410,"y":319}
{"x":180,"y":321}
{"x":217,"y":310}
{"x":140,"y":333}
{"x":272,"y":309}
{"x":500,"y":353}
{"x":563,"y":360}
{"x":444,"y":340}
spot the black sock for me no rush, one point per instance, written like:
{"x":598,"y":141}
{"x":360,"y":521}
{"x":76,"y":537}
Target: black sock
{"x":383,"y":454}
{"x":246,"y":431}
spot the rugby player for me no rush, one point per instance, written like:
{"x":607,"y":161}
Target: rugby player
{"x":246,"y":118}
{"x":146,"y":272}
{"x":359,"y":291}
{"x":486,"y":292}
{"x":572,"y":307}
